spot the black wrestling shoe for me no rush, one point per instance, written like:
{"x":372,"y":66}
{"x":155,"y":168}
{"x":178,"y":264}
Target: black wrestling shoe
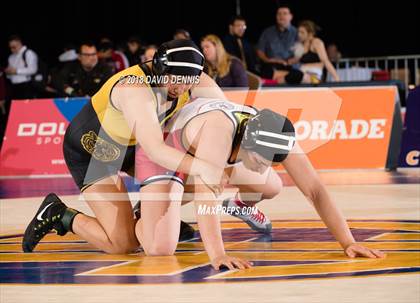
{"x":47,"y":218}
{"x":186,"y":231}
{"x":136,"y":210}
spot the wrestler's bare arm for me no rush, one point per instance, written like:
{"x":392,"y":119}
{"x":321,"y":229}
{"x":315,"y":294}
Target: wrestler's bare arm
{"x":207,"y":88}
{"x":210,"y":136}
{"x":139,"y":111}
{"x":307,"y":180}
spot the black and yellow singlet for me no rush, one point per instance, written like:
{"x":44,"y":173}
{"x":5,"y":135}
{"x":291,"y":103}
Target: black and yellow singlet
{"x":112,"y":119}
{"x":98,"y":142}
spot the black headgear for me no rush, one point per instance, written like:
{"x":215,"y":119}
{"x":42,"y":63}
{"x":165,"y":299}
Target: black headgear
{"x":178,"y":57}
{"x":270,"y":135}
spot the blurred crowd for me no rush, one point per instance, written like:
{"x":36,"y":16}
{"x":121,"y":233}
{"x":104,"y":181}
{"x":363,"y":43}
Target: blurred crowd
{"x":284,"y":54}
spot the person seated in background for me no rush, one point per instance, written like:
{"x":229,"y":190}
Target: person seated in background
{"x":149,"y":52}
{"x":236,"y":45}
{"x":69,"y":54}
{"x":4,"y":105}
{"x":108,"y":55}
{"x":182,"y":34}
{"x":83,"y":77}
{"x":333,"y":53}
{"x":312,"y":57}
{"x":275,"y":46}
{"x":134,"y":50}
{"x":22,"y":66}
{"x":2,"y":95}
{"x":225,"y":69}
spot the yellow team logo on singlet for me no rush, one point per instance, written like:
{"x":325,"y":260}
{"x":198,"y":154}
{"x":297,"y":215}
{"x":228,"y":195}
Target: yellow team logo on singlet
{"x":99,"y":148}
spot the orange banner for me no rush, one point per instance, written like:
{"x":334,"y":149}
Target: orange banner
{"x":336,"y":127}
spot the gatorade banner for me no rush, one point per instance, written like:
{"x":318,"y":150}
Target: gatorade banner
{"x":34,"y":136}
{"x":338,"y":128}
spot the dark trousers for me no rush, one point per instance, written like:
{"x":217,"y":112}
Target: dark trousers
{"x":23,"y":91}
{"x":267,"y":69}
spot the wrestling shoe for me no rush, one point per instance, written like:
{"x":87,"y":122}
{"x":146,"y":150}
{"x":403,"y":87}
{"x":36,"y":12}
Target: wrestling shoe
{"x":255,"y":218}
{"x":186,"y":232}
{"x":47,"y":218}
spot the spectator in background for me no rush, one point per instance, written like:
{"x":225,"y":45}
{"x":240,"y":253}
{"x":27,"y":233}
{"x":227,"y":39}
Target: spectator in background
{"x":83,"y":77}
{"x":4,"y":106}
{"x":134,"y":50}
{"x":275,"y":46}
{"x":23,"y":65}
{"x":237,"y":46}
{"x":312,"y":58}
{"x":149,"y":52}
{"x":225,"y":69}
{"x":116,"y":60}
{"x":182,"y":34}
{"x":69,"y":54}
{"x":2,"y":95}
{"x":333,"y":53}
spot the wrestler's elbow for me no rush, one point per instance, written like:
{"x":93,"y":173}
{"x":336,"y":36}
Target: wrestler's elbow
{"x":314,"y":191}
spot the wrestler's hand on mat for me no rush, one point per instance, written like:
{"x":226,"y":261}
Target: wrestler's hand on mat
{"x":356,"y":250}
{"x":230,"y":262}
{"x":214,"y":178}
